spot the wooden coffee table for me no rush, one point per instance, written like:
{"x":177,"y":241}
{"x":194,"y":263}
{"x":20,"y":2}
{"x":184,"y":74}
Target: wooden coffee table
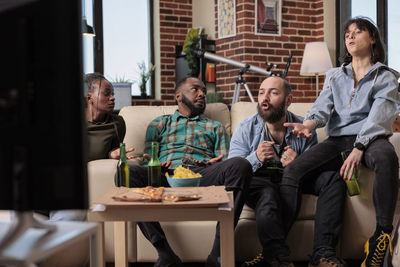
{"x":215,"y":204}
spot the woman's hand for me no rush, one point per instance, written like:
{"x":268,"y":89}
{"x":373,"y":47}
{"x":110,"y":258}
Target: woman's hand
{"x":351,"y":164}
{"x":116,"y":153}
{"x":301,"y":129}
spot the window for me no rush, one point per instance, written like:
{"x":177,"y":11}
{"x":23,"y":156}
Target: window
{"x":123,"y":40}
{"x":393,"y":21}
{"x":88,"y":60}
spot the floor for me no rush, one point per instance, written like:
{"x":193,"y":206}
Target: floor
{"x":297,"y":264}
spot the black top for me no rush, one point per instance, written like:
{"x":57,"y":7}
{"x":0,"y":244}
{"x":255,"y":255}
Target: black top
{"x":106,"y":136}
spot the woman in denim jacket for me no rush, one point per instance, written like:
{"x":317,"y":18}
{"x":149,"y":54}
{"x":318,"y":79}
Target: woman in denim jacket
{"x":358,"y":105}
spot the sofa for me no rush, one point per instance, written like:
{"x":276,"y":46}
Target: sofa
{"x":192,"y":241}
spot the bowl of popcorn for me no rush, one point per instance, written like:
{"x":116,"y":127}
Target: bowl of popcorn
{"x":183,"y":177}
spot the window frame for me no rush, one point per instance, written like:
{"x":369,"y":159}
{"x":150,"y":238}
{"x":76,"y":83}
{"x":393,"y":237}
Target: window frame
{"x":98,"y":51}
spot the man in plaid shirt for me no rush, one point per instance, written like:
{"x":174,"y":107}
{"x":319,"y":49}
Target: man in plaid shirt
{"x":189,"y":138}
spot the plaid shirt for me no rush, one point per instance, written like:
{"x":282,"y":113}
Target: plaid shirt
{"x":183,"y":139}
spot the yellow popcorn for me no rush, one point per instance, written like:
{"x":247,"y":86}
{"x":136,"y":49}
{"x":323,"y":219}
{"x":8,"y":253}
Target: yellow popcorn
{"x":182,"y":172}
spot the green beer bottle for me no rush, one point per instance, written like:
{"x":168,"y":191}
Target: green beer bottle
{"x":122,"y":168}
{"x":352,"y":184}
{"x":154,"y":167}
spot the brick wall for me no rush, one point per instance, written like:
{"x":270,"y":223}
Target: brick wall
{"x":302,"y":21}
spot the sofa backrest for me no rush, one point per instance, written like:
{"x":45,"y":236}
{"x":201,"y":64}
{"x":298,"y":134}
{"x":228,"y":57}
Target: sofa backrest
{"x":137,"y":118}
{"x":242,"y":110}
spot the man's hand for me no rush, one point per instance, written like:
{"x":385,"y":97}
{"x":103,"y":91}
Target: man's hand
{"x":211,"y":161}
{"x":301,"y":129}
{"x":265,"y":151}
{"x":288,"y":156}
{"x":164,"y":165}
{"x":351,"y":164}
{"x":116,"y":153}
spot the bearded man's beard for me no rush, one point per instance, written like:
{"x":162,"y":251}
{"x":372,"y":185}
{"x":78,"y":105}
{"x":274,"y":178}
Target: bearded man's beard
{"x":274,"y":114}
{"x":193,"y":109}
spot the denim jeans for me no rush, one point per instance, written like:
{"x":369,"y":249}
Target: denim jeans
{"x":380,"y":156}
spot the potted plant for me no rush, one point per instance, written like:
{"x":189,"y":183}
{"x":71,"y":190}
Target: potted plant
{"x":122,"y":91}
{"x":191,"y":59}
{"x":144,"y":75}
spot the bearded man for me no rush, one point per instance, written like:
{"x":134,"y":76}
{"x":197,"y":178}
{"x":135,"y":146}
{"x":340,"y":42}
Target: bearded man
{"x":189,"y":138}
{"x":269,"y":146}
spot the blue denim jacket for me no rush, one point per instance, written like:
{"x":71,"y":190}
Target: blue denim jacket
{"x":251,"y":131}
{"x":368,"y":110}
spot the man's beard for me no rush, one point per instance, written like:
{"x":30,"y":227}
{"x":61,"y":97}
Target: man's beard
{"x":274,"y":114}
{"x":194,"y":110}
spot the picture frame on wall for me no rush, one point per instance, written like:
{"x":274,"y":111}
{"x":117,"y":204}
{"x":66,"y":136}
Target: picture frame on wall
{"x":226,"y":18}
{"x":268,"y":17}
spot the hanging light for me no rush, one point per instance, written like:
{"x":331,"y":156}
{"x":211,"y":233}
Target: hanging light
{"x":87,"y":30}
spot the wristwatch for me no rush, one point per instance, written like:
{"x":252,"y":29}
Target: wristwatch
{"x":360,"y":146}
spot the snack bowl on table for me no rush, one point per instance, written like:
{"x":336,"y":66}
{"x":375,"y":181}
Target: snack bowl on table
{"x":184,"y":182}
{"x":177,"y":179}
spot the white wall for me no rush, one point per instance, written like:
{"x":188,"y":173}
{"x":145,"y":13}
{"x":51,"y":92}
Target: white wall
{"x":330,"y":28}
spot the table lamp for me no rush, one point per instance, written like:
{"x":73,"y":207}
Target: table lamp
{"x":316,"y":61}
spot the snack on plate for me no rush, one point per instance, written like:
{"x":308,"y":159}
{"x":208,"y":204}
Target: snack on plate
{"x":152,"y":192}
{"x":182,"y":172}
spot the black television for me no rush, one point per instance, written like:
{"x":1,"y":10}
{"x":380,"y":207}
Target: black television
{"x":42,"y":144}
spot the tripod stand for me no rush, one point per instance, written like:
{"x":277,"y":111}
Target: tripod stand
{"x":241,"y":81}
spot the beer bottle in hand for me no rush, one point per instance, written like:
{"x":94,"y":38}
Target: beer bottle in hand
{"x":154,"y":167}
{"x":123,"y":168}
{"x":352,"y":185}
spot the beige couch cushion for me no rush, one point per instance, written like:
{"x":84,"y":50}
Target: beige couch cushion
{"x":137,"y":118}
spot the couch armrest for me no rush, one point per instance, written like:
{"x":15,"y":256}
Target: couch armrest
{"x":100,"y":177}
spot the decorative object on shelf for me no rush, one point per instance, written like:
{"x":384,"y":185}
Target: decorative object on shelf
{"x":189,"y":47}
{"x":316,"y":61}
{"x":268,"y":17}
{"x":226,"y":18}
{"x":210,"y":72}
{"x":144,"y":75}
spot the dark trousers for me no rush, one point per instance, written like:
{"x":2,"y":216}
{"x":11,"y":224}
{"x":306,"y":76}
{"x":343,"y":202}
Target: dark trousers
{"x":234,"y":173}
{"x":265,"y":200}
{"x":309,"y":167}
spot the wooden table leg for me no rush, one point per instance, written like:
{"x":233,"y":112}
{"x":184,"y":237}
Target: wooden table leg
{"x":95,"y":248}
{"x":98,"y":241}
{"x":120,"y":244}
{"x":227,"y":235}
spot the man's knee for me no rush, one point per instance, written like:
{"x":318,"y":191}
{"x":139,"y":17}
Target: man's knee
{"x":240,"y":164}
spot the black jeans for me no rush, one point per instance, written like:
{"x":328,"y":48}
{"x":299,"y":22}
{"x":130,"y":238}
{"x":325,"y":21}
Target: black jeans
{"x":380,"y":156}
{"x":265,"y":200}
{"x":234,"y":173}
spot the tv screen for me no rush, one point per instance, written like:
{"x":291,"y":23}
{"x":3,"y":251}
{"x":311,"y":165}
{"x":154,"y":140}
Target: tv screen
{"x":42,"y":159}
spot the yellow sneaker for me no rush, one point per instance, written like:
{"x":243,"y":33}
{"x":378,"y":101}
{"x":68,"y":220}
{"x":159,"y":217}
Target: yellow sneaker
{"x":375,"y":250}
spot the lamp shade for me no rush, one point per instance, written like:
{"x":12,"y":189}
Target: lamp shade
{"x":87,"y":30}
{"x":316,"y":59}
